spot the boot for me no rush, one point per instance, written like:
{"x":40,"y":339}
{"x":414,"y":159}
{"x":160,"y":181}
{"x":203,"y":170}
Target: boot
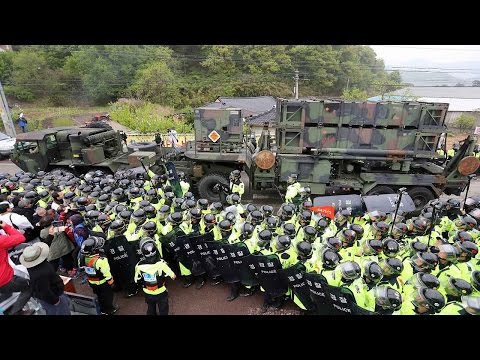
{"x":235,"y":287}
{"x":200,"y":282}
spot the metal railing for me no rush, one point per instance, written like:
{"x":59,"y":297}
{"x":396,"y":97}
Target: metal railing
{"x":149,"y":137}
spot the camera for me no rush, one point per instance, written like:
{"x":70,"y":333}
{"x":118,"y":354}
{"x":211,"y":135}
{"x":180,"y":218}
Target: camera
{"x":57,"y":223}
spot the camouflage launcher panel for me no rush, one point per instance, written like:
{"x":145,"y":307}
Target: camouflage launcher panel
{"x":367,"y":129}
{"x":218,"y":130}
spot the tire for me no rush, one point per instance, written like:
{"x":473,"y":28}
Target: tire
{"x":206,"y":184}
{"x":420,"y":196}
{"x":142,"y":146}
{"x":381,"y":189}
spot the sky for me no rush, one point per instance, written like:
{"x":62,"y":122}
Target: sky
{"x":458,"y":60}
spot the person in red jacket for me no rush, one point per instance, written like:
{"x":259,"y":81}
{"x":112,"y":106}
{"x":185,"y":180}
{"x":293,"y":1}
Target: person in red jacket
{"x":8,"y":281}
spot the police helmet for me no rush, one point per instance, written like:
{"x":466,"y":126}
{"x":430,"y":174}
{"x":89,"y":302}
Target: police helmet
{"x":175,"y":218}
{"x":390,"y":247}
{"x":431,"y":299}
{"x":292,"y":178}
{"x":202,"y":204}
{"x":475,"y":279}
{"x":304,"y":250}
{"x":471,"y":304}
{"x":255,"y":217}
{"x":289,"y":229}
{"x":457,"y":287}
{"x":334,"y":243}
{"x":32,"y":195}
{"x":305,"y":217}
{"x":233,"y":199}
{"x":306,"y":205}
{"x":216,"y":207}
{"x":230,"y":216}
{"x":305,"y":191}
{"x":321,"y":225}
{"x":177,"y":204}
{"x":133,"y":192}
{"x":267,"y":210}
{"x":103,"y":219}
{"x":387,"y":298}
{"x":358,"y":230}
{"x":424,"y":261}
{"x":209,"y":220}
{"x":150,"y":227}
{"x":453,"y":204}
{"x":399,"y":230}
{"x":347,"y":237}
{"x":92,"y":245}
{"x":417,"y":246}
{"x":149,"y":249}
{"x":163,"y":212}
{"x":143,"y":203}
{"x":119,"y":208}
{"x":282,"y":243}
{"x":377,"y":215}
{"x":330,"y":259}
{"x":447,"y":252}
{"x":391,"y":266}
{"x":373,"y":272}
{"x":264,"y":238}
{"x":380,"y":228}
{"x":250,"y":208}
{"x":125,"y":215}
{"x":350,"y":270}
{"x":150,"y":212}
{"x":271,"y":222}
{"x":169,"y":196}
{"x":189,"y":204}
{"x":181,"y":175}
{"x":235,"y":175}
{"x":90,"y":207}
{"x":372,"y":247}
{"x":247,"y":231}
{"x":286,"y":212}
{"x":195,"y":213}
{"x":225,"y":226}
{"x":342,"y":216}
{"x":309,"y":233}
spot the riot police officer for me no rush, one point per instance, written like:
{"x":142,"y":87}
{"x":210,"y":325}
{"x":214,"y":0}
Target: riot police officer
{"x":151,"y":272}
{"x":97,"y":269}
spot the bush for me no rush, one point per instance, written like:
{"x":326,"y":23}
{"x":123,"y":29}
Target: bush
{"x":147,"y":118}
{"x":465,"y":122}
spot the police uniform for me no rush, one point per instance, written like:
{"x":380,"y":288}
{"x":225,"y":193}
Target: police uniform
{"x":100,"y":280}
{"x":152,"y":277}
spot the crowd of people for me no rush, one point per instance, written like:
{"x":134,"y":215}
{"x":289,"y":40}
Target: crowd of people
{"x":128,"y":232}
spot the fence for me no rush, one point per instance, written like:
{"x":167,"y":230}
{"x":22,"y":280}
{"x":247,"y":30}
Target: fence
{"x":149,"y":137}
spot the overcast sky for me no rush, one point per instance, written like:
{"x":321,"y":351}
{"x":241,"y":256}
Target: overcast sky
{"x":423,"y":55}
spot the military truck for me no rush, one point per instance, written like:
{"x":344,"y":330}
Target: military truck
{"x":336,"y":147}
{"x":79,"y":150}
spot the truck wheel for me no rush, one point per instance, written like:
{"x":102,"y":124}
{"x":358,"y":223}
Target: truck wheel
{"x":206,"y":184}
{"x":381,"y":189}
{"x":142,"y":146}
{"x":420,"y":196}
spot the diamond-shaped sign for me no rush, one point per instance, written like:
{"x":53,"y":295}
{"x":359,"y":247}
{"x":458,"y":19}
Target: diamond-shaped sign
{"x":214,"y":136}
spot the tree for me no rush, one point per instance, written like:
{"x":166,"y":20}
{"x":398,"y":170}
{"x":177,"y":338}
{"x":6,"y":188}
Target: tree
{"x":354,"y":94}
{"x":459,"y":84}
{"x":465,"y":122}
{"x":156,"y":83}
{"x":476,"y":83}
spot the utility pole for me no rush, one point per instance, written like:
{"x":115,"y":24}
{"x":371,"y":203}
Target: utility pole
{"x":348,"y":82}
{"x":6,"y":117}
{"x":296,"y":84}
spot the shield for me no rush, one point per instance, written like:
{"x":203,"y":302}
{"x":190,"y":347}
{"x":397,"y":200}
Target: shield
{"x":196,"y":245}
{"x":296,"y":280}
{"x":189,"y":256}
{"x":388,"y":203}
{"x":221,"y":251}
{"x":238,"y":255}
{"x":317,"y":285}
{"x":206,"y":256}
{"x":352,"y":202}
{"x":268,"y":274}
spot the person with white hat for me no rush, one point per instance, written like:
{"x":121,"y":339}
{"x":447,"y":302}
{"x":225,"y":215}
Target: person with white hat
{"x":22,"y":122}
{"x":46,"y":284}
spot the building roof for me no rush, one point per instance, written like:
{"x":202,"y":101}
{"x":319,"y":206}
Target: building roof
{"x":260,"y":119}
{"x":254,"y":104}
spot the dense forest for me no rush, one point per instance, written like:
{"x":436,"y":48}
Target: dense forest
{"x":189,"y":75}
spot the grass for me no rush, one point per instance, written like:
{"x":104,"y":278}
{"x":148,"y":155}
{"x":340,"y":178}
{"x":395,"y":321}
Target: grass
{"x":46,"y":117}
